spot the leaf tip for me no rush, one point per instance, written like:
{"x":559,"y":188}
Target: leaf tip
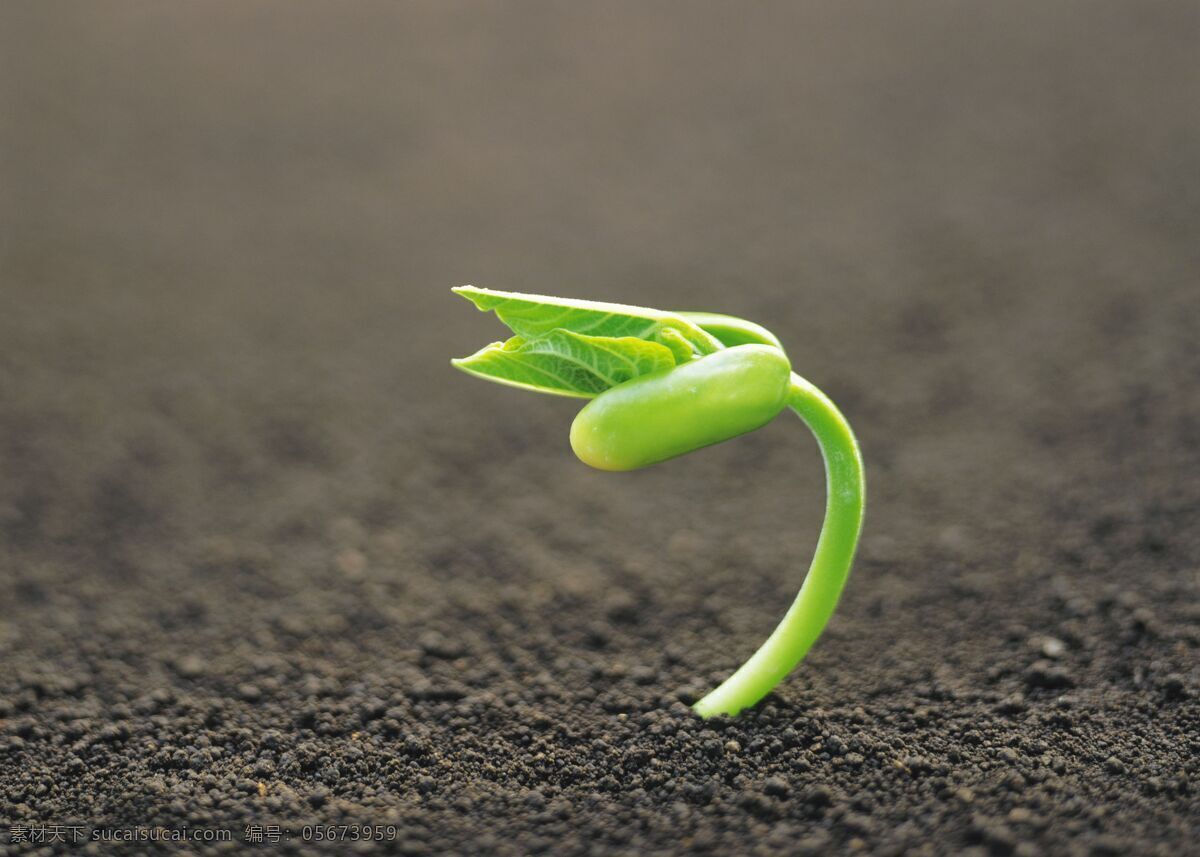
{"x":463,"y":364}
{"x":475,"y":295}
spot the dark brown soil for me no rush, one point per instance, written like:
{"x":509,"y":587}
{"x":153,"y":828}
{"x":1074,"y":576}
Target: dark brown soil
{"x":267,"y":560}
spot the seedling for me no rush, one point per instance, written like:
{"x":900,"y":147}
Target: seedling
{"x":663,"y":384}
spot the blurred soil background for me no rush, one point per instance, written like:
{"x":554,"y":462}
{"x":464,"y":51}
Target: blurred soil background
{"x":266,"y":559}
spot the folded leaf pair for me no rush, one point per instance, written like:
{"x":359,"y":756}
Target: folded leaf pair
{"x":579,"y":348}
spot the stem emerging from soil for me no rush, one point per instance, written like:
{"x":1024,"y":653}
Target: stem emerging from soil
{"x":818,"y":596}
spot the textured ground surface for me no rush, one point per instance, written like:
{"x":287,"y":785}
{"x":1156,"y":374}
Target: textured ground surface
{"x":267,"y":560}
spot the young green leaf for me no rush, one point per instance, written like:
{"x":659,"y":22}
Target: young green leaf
{"x":532,"y":316}
{"x":566,"y":363}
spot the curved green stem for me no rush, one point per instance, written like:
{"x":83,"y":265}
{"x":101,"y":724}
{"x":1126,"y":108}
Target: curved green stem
{"x":818,"y":596}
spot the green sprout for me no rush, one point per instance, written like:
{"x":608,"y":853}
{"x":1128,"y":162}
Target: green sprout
{"x":663,"y":384}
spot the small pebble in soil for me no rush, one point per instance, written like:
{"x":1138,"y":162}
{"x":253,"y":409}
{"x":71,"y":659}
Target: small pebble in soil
{"x":776,"y":787}
{"x":1053,"y":648}
{"x":1174,"y":687}
{"x":436,"y":645}
{"x":1048,"y":675}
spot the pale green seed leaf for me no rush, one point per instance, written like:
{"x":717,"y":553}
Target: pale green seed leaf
{"x":533,"y":316}
{"x":565,"y":363}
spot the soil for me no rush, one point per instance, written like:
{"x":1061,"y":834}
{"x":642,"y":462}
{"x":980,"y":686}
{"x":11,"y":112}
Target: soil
{"x":268,"y":561}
